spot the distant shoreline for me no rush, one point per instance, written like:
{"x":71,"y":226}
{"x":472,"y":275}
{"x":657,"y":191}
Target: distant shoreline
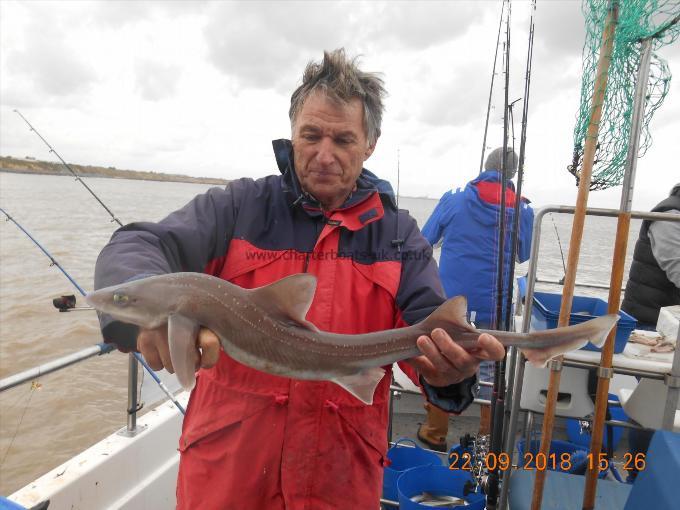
{"x":37,"y":167}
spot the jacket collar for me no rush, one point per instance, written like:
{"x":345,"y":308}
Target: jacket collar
{"x":368,"y":184}
{"x":492,"y":176}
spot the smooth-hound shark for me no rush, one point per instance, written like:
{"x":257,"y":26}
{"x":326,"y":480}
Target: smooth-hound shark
{"x":265,"y":328}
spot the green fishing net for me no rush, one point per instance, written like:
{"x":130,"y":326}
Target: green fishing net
{"x":637,"y":19}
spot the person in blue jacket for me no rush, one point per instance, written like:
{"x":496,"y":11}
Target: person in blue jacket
{"x":467,"y":222}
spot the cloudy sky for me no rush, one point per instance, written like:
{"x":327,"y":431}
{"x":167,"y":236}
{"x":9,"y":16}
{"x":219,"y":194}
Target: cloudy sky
{"x":201,"y":88}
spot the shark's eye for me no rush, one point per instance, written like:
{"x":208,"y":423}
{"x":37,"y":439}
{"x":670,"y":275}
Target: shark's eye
{"x":120,"y":299}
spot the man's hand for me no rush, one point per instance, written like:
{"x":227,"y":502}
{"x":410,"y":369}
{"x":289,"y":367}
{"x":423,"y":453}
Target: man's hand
{"x":153,"y":344}
{"x":444,"y":362}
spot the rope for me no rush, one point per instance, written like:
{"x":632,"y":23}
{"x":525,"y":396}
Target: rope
{"x":34,"y":386}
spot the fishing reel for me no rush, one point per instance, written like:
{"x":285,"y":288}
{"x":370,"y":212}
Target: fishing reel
{"x":482,"y":446}
{"x":585,"y":425}
{"x":477,"y":448}
{"x":64,"y":303}
{"x":68,"y":304}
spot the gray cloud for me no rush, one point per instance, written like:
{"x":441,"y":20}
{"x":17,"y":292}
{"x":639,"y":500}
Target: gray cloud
{"x":459,"y":100}
{"x":666,"y":116}
{"x":18,"y":96}
{"x":261,"y":44}
{"x":119,"y":13}
{"x":115,"y":14}
{"x":41,"y":61}
{"x":419,"y":25}
{"x":560,"y":30}
{"x":305,"y":25}
{"x":50,"y":63}
{"x":156,"y":81}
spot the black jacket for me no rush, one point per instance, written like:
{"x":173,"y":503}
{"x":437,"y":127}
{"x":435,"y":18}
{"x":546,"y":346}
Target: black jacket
{"x":648,"y":287}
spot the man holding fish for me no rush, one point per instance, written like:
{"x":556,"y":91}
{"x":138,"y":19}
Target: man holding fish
{"x":280,"y":415}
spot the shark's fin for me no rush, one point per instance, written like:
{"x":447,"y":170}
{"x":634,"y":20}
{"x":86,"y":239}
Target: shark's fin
{"x":363,"y":384}
{"x":453,"y":310}
{"x":604,"y":325}
{"x":594,"y":331}
{"x":540,"y":357}
{"x":288,"y":298}
{"x":182,"y":334}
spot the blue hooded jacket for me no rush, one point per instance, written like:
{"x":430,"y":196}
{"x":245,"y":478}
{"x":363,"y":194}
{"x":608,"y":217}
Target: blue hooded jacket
{"x":469,"y":226}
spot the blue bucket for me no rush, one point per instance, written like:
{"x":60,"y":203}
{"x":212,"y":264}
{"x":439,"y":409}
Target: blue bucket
{"x":438,"y":481}
{"x":6,"y":504}
{"x":402,"y":458}
{"x":459,"y":457}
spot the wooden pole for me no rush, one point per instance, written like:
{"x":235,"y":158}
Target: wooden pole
{"x":620,"y":247}
{"x":576,"y":237}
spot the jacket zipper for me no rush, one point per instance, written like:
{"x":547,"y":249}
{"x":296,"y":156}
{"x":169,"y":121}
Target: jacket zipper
{"x":316,"y":239}
{"x":318,"y":233}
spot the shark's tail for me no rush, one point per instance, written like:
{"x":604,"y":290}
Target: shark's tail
{"x":594,"y":331}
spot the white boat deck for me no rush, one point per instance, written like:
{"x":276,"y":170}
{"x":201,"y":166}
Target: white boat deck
{"x":119,"y":472}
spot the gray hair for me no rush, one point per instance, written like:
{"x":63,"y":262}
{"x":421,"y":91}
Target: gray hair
{"x":341,"y":80}
{"x":494,"y":161}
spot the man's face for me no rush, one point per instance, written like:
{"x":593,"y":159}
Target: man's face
{"x":330,"y":147}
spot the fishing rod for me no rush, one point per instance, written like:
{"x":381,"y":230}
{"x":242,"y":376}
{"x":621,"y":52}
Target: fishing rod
{"x":398,"y":241}
{"x":493,"y":76}
{"x":504,"y":182}
{"x":559,"y":244}
{"x":508,"y":394}
{"x":520,"y":166}
{"x":503,"y":171}
{"x":497,"y":402}
{"x":512,"y":120}
{"x":508,"y":294}
{"x":104,"y":348}
{"x":68,"y":167}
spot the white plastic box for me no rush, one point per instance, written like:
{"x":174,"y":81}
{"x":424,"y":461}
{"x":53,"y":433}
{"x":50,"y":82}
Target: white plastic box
{"x":669,"y":322}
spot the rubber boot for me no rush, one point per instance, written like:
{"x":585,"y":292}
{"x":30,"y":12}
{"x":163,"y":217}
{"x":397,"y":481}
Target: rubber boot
{"x":484,"y":420}
{"x":433,"y":432}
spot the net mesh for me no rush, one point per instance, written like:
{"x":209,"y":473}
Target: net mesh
{"x":637,"y":20}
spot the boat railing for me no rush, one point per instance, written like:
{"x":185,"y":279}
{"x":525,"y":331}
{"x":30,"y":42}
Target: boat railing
{"x":578,"y":284}
{"x":54,"y":365}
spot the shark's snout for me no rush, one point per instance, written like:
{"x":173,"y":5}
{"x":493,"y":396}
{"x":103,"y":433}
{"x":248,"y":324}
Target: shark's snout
{"x":110,"y":302}
{"x":131,"y":303}
{"x":95,"y":299}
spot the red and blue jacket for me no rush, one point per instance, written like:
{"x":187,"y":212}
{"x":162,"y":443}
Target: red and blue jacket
{"x":468,"y":221}
{"x":254,"y":440}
